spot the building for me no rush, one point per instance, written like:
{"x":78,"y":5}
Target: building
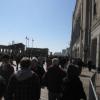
{"x":57,"y":54}
{"x":12,"y":49}
{"x":85,"y":39}
{"x":95,"y":32}
{"x":80,"y":39}
{"x":18,"y":50}
{"x":31,"y":52}
{"x":66,"y":52}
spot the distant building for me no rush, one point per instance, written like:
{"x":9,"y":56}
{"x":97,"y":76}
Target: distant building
{"x":18,"y":49}
{"x":15,"y":48}
{"x":37,"y":52}
{"x":67,"y":53}
{"x":57,"y":54}
{"x":64,"y":52}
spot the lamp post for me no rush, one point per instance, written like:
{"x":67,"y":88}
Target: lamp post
{"x":26,"y":41}
{"x":32,"y":43}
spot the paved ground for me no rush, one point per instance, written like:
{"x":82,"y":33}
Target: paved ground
{"x":98,"y":85}
{"x":44,"y":94}
{"x":87,"y":75}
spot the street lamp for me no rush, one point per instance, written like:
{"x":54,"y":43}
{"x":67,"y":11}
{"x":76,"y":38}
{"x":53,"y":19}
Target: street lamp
{"x":26,"y":41}
{"x":32,"y":43}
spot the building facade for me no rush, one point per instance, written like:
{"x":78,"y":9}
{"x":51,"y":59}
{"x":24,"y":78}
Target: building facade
{"x":85,"y":39}
{"x":95,"y":32}
{"x":78,"y":38}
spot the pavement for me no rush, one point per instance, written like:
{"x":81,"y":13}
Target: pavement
{"x":85,"y":76}
{"x":98,"y":85}
{"x":44,"y":94}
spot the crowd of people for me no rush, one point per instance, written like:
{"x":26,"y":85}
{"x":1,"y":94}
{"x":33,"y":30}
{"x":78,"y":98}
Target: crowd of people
{"x":61,"y":78}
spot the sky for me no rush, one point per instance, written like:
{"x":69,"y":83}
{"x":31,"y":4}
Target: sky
{"x":47,"y":22}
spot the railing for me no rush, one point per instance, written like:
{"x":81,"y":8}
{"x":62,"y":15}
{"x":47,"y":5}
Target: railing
{"x":92,"y":88}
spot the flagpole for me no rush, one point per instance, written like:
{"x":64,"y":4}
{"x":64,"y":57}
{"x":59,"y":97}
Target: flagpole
{"x":32,"y":43}
{"x":26,"y":41}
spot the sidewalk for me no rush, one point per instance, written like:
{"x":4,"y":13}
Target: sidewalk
{"x":85,"y":76}
{"x":98,"y":85}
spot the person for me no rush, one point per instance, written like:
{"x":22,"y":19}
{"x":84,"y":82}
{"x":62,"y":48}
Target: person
{"x":53,"y":80}
{"x":6,"y":70}
{"x":17,"y":59}
{"x":90,"y":65}
{"x":24,"y":84}
{"x":72,"y":85}
{"x":2,"y":87}
{"x":64,"y":62}
{"x":48,"y":62}
{"x":37,"y":68}
{"x":79,"y":63}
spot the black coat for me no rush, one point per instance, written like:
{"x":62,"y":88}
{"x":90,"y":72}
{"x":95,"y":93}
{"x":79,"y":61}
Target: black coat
{"x":73,"y":90}
{"x":53,"y":79}
{"x":23,"y":86}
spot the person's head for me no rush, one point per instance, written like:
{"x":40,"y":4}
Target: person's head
{"x":55,"y":61}
{"x":34,"y":62}
{"x":63,"y":62}
{"x":25,"y":62}
{"x":48,"y":61}
{"x":79,"y":63}
{"x":73,"y":71}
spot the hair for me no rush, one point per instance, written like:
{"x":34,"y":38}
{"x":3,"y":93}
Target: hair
{"x":55,"y":61}
{"x":25,"y":62}
{"x":34,"y":59}
{"x":73,"y":71}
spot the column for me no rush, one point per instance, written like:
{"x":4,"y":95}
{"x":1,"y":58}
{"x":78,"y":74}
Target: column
{"x":98,"y":52}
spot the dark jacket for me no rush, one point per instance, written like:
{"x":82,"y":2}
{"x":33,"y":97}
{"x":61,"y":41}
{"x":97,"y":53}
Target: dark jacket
{"x":6,"y":70}
{"x":53,"y":79}
{"x":73,"y":90}
{"x":2,"y":86}
{"x":24,"y":85}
